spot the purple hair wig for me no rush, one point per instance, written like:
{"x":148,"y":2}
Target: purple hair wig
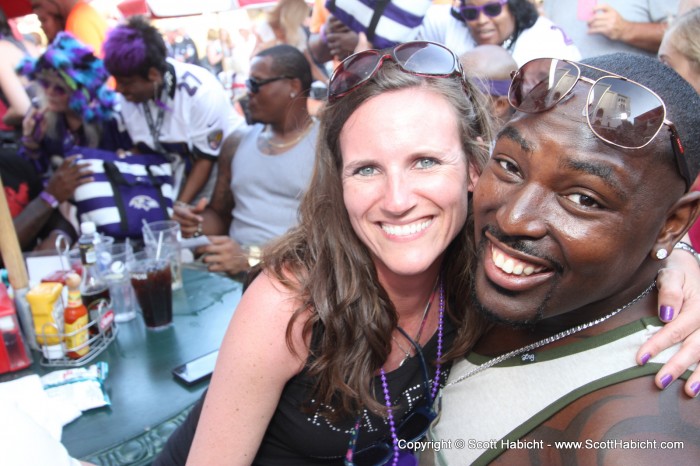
{"x":125,"y":52}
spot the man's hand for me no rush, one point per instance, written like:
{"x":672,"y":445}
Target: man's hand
{"x":224,"y":255}
{"x":69,"y":175}
{"x":189,"y":217}
{"x":608,"y":22}
{"x":341,"y":39}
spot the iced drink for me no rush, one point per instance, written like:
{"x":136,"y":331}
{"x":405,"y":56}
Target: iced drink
{"x":152,"y":280}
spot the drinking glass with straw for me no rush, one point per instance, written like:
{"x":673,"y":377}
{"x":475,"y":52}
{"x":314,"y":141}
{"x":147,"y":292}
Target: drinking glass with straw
{"x":163,"y":237}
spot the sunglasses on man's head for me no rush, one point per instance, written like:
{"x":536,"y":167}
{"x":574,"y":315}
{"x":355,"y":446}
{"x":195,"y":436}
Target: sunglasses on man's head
{"x":491,"y":9}
{"x":420,"y":58}
{"x":412,"y":428}
{"x":621,"y":112}
{"x":253,"y":84}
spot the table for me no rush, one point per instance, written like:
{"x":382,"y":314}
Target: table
{"x":147,"y":402}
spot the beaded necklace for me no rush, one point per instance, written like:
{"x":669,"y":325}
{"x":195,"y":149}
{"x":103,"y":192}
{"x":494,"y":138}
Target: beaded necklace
{"x":387,"y":397}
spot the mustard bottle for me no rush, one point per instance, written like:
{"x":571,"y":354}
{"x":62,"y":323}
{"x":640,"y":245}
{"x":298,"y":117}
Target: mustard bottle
{"x":47,"y":311}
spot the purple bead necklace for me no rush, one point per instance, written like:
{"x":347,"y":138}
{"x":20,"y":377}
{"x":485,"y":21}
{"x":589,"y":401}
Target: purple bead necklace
{"x":435,"y":383}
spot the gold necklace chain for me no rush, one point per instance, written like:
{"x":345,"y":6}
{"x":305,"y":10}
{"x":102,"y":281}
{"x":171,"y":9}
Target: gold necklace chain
{"x":267,"y":132}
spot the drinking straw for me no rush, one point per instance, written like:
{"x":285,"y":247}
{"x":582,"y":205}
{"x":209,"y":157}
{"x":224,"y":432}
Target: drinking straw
{"x":160,"y":244}
{"x":147,"y":229}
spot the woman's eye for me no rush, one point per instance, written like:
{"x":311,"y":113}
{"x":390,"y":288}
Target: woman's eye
{"x":426,"y":163}
{"x":583,"y":200}
{"x":365,"y":171}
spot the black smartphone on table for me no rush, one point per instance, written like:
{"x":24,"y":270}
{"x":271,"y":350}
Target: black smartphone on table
{"x":196,"y":370}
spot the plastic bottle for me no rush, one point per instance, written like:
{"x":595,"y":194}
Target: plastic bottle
{"x":93,"y":287}
{"x":47,"y":314}
{"x":75,"y":318}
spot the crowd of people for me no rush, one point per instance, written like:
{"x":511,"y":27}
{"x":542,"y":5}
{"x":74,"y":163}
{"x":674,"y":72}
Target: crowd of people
{"x":501,"y":272}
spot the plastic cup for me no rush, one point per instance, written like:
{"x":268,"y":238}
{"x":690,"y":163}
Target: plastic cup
{"x":116,"y":259}
{"x":162,"y":238}
{"x":151,"y":280}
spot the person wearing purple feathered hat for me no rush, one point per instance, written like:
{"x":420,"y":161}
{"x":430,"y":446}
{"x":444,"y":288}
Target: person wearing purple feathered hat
{"x":73,"y":105}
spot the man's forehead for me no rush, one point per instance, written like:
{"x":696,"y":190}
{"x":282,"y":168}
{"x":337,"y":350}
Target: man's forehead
{"x":49,"y":6}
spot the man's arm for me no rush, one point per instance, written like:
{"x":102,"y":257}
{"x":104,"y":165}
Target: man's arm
{"x":608,"y":22}
{"x":215,"y":218}
{"x":61,"y":187}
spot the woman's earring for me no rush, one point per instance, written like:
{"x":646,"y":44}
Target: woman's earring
{"x":292,"y":94}
{"x":661,"y":254}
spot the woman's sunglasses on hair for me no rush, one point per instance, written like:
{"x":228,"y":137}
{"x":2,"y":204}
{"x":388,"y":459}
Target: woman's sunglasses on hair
{"x":620,"y":111}
{"x":253,"y":84}
{"x":491,"y":9}
{"x":420,"y":58}
{"x":412,"y":428}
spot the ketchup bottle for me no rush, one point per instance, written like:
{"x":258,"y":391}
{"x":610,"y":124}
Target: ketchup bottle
{"x":75,"y":318}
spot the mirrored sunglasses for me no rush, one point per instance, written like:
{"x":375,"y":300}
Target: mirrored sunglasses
{"x":620,"y":111}
{"x":420,"y":58}
{"x":253,"y":85}
{"x":491,"y":9}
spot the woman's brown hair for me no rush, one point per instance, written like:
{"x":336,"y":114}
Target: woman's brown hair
{"x":332,"y":272}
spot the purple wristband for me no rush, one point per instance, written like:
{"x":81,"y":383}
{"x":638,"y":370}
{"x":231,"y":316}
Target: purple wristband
{"x":49,"y":199}
{"x":322,"y":33}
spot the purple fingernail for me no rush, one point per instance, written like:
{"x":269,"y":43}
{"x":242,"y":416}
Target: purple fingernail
{"x":666,"y":313}
{"x":666,"y":380}
{"x":695,"y":388}
{"x":645,"y":358}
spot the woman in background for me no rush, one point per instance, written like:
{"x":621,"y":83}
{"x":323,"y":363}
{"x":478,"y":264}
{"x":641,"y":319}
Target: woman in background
{"x":75,"y":102}
{"x":515,"y":25}
{"x":284,"y":25}
{"x":680,"y":49}
{"x":14,"y":101}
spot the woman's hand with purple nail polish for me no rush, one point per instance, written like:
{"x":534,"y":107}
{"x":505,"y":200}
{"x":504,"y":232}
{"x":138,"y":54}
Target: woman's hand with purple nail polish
{"x":679,"y":306}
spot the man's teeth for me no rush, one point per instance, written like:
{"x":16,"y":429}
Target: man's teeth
{"x":512,"y":266}
{"x":405,"y":230}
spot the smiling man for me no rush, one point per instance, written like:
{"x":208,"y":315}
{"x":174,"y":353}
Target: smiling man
{"x":584,"y":197}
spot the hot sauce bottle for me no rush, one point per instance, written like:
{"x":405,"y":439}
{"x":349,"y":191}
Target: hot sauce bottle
{"x":75,"y":318}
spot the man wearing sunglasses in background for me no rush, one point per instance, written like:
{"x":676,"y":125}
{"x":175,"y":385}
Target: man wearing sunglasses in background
{"x":601,"y":27}
{"x":263,"y":169}
{"x":584,"y":197}
{"x":512,"y":24}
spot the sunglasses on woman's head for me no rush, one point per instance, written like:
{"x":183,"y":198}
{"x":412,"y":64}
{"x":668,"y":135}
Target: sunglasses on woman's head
{"x":491,"y":9}
{"x":253,"y":85}
{"x":420,"y":58}
{"x":412,"y":428}
{"x":621,"y":112}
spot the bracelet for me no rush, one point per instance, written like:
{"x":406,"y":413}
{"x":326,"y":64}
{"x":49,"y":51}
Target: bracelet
{"x":322,"y":33}
{"x":687,"y":247}
{"x":49,"y":199}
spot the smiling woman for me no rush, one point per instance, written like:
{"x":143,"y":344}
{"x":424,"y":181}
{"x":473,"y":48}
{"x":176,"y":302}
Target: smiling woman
{"x":513,"y":24}
{"x":367,"y":286}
